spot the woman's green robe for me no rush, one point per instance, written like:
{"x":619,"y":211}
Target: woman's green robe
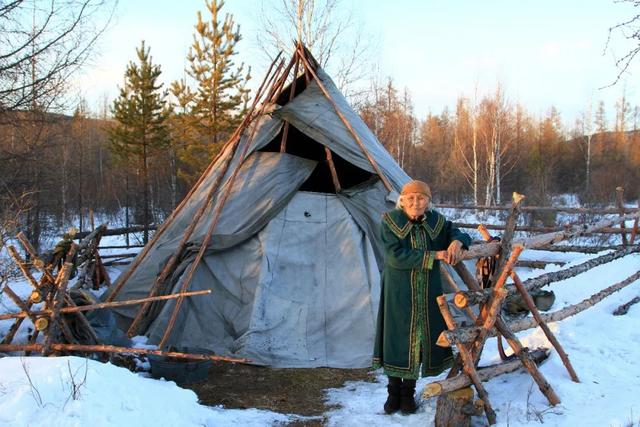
{"x":409,"y":321}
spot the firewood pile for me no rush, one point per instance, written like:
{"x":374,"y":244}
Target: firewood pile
{"x":57,"y":310}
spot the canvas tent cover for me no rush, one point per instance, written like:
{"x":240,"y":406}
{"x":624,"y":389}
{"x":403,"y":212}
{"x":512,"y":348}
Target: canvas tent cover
{"x":294,"y":274}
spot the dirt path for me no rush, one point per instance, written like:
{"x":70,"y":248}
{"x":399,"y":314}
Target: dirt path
{"x":288,"y":391}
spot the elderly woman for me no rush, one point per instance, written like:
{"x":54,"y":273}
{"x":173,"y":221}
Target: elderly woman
{"x":416,"y":240}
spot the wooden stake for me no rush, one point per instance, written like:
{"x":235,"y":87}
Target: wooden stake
{"x":468,"y":362}
{"x":620,"y":206}
{"x":61,"y":289}
{"x":634,"y":230}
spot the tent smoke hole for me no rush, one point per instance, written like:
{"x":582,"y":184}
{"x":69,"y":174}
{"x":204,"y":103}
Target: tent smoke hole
{"x":299,"y":144}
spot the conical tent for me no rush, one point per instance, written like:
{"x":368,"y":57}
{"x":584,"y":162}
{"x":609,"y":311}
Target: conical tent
{"x":282,"y":227}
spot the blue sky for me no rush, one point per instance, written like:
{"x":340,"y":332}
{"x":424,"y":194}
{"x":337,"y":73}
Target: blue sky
{"x":542,"y":52}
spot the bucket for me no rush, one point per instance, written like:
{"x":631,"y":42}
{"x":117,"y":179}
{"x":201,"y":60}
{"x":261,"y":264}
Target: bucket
{"x":182,"y":371}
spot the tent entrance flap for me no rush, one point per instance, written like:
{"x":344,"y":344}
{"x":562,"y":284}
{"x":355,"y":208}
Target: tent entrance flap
{"x":317,"y":310}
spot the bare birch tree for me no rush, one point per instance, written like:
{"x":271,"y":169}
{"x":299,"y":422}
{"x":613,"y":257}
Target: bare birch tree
{"x":42,"y":43}
{"x":330,"y":32}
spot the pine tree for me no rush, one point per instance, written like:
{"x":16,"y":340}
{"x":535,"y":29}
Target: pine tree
{"x":219,"y":99}
{"x":141,"y":114}
{"x":601,"y":118}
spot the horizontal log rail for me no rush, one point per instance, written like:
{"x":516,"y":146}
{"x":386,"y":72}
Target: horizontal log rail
{"x":593,"y":211}
{"x":530,"y":322}
{"x":448,"y":385}
{"x":555,"y":276}
{"x":117,"y":231}
{"x":533,"y":229}
{"x":114,"y":349}
{"x":101,"y":305}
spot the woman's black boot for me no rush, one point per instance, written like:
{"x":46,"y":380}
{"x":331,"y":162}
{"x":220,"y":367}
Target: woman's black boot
{"x":407,"y":402}
{"x":393,"y":400}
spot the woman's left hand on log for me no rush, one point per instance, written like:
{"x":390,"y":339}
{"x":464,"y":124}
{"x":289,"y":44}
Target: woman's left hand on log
{"x":455,"y":253}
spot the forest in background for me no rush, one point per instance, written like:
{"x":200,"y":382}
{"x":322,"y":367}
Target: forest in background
{"x":142,"y":152}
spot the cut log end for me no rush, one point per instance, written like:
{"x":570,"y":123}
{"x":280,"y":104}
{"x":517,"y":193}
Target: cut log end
{"x":442,"y":341}
{"x":460,"y":300}
{"x":432,"y":390}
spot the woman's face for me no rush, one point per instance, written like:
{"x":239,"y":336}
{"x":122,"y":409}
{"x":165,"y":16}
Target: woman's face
{"x":414,"y":204}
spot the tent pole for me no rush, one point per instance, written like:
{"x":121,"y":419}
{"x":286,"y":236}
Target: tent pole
{"x":178,"y":209}
{"x":285,"y":132}
{"x":345,"y":121}
{"x":172,"y":262}
{"x":205,"y":242}
{"x":332,"y":168}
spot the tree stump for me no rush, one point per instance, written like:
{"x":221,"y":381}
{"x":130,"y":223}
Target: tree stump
{"x":457,"y":408}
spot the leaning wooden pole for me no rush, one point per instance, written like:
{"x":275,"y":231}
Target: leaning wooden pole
{"x":207,"y":238}
{"x":138,"y":260}
{"x":292,"y":92}
{"x":620,"y":206}
{"x":545,"y":328}
{"x":173,"y":260}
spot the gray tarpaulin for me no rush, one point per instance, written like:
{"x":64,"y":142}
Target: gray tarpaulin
{"x":294,"y":275}
{"x":275,"y":304}
{"x":313,"y":114}
{"x":265,"y":183}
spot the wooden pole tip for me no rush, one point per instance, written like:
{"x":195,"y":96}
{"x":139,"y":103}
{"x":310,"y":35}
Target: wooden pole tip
{"x":442,"y":341}
{"x":517,"y":197}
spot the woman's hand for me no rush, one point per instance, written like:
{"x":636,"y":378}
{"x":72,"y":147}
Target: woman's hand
{"x":454,"y":253}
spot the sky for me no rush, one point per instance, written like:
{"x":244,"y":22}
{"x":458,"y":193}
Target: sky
{"x":543,"y":53}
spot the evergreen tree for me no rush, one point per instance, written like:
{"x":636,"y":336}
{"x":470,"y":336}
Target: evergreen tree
{"x":601,"y":118}
{"x":219,"y":99}
{"x":141,"y":114}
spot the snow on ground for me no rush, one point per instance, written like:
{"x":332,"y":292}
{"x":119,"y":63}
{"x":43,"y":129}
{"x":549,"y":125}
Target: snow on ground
{"x":71,"y":391}
{"x":603,"y":349}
